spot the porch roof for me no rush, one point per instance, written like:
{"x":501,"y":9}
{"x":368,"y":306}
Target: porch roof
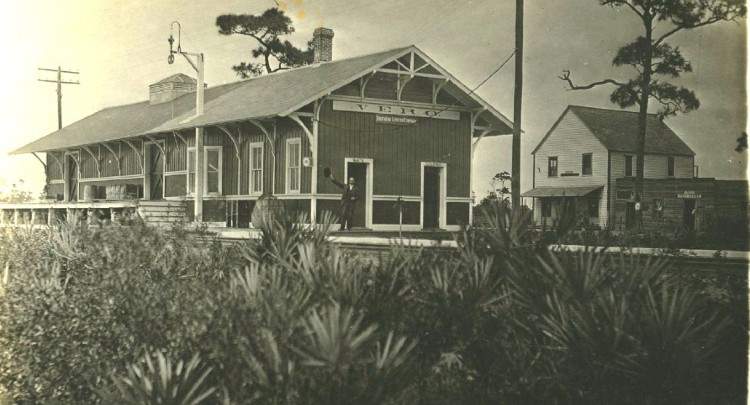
{"x":578,"y":191}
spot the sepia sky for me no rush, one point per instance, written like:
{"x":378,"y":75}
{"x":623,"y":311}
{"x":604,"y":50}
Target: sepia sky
{"x":120,"y":47}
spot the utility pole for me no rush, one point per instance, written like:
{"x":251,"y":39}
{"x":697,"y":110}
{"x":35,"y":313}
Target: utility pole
{"x":197,"y":65}
{"x":515,"y":181}
{"x":59,"y":81}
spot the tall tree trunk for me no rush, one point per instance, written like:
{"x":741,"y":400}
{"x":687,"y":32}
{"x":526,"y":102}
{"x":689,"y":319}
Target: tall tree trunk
{"x":643,"y":117}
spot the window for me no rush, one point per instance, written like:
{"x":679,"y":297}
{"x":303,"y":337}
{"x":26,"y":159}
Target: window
{"x":256,"y":168}
{"x":670,"y":166}
{"x":211,"y":170}
{"x":552,"y":166}
{"x":293,"y":156}
{"x":628,"y":166}
{"x":586,"y":161}
{"x":546,"y":208}
{"x":191,"y":170}
{"x":212,"y":166}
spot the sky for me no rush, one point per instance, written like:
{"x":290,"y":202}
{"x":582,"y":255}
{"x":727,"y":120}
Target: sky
{"x":120,"y":47}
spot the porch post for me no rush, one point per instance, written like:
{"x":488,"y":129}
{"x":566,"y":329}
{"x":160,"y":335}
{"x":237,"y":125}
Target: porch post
{"x":314,"y":173}
{"x":66,"y":178}
{"x":199,"y":172}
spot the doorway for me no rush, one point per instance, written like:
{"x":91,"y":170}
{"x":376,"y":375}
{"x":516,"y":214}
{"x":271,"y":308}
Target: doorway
{"x":155,"y":168}
{"x":630,"y":219}
{"x":688,"y":214}
{"x":433,"y":195}
{"x":359,"y":171}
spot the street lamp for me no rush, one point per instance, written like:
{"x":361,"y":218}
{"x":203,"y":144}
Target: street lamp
{"x":197,"y":65}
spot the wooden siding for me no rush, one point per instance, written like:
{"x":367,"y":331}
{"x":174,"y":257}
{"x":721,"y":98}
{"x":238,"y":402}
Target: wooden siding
{"x":54,"y":170}
{"x":721,"y":203}
{"x":397,"y":151}
{"x":385,"y":213}
{"x":569,"y":140}
{"x":130,"y":164}
{"x":655,"y":166}
{"x":457,"y":213}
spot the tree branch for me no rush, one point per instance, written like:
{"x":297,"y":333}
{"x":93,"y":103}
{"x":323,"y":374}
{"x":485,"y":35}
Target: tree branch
{"x":566,"y":77}
{"x":627,"y":3}
{"x":681,"y":27}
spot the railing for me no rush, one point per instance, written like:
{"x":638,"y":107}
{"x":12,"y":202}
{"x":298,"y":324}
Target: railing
{"x":104,"y":212}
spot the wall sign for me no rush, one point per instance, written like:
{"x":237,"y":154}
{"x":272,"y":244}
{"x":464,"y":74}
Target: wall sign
{"x":394,"y":119}
{"x":689,"y":194}
{"x":568,"y":174}
{"x":387,"y":109}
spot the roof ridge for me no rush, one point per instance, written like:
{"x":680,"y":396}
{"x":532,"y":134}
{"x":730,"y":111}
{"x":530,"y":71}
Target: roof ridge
{"x":607,"y":109}
{"x":278,"y":72}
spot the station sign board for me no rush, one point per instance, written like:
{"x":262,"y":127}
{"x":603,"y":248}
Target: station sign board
{"x":394,"y":119}
{"x":689,"y":194}
{"x":399,"y":110}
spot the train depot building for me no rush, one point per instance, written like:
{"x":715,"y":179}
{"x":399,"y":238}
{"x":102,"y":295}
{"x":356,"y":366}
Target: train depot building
{"x":585,"y":166}
{"x":396,"y":121}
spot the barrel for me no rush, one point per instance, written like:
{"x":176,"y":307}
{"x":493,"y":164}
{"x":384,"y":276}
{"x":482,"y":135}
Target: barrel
{"x":266,"y":208}
{"x":89,"y":192}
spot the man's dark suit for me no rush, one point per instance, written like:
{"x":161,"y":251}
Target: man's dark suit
{"x":348,"y":199}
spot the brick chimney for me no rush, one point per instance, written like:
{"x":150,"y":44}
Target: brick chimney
{"x":170,"y":88}
{"x":323,"y":44}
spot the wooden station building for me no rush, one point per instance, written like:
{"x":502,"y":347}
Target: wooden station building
{"x":396,"y":121}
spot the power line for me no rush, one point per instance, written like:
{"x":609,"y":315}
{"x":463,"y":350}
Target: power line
{"x":403,"y":127}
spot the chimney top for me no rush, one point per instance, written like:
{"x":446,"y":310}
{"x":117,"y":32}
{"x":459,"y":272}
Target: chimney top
{"x":170,"y":88}
{"x":323,"y":45}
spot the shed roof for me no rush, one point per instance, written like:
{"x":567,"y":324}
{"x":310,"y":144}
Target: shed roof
{"x":617,"y":129}
{"x":578,"y":191}
{"x":276,"y":94}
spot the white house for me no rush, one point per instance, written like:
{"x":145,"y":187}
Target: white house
{"x":587,"y":149}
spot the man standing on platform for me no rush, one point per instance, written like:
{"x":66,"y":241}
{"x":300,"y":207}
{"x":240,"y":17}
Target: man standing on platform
{"x":349,"y":198}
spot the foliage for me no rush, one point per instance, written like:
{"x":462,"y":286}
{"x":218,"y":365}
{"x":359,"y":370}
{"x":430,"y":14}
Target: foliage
{"x":266,"y":29}
{"x":159,"y":382}
{"x":123,"y":315}
{"x":16,"y":194}
{"x":654,"y":61}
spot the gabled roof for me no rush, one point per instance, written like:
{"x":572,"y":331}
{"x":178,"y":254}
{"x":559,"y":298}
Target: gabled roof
{"x":276,"y":94}
{"x":617,"y":131}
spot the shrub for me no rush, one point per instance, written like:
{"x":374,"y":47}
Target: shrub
{"x":98,"y":315}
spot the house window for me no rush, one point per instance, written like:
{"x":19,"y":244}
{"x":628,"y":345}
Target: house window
{"x":670,"y":166}
{"x":293,"y":157}
{"x":586,"y":164}
{"x":628,"y":166}
{"x":546,"y":208}
{"x":212,"y":167}
{"x":256,"y":168}
{"x":552,"y":166}
{"x":191,"y":170}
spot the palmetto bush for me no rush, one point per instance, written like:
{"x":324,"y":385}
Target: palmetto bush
{"x":122,"y":315}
